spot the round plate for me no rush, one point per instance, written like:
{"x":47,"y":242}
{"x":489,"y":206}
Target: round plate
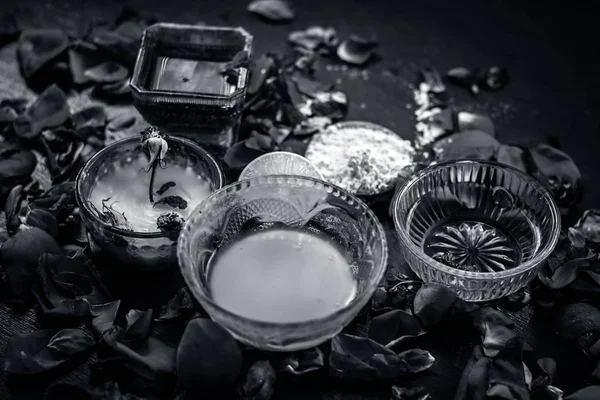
{"x":280,"y":163}
{"x":330,"y":152}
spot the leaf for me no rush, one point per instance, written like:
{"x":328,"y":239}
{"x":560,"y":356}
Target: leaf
{"x":259,"y":383}
{"x":172,"y":201}
{"x":37,"y":47}
{"x":302,"y":362}
{"x":104,"y":316}
{"x":587,"y":393}
{"x":363,"y":359}
{"x":506,"y":375}
{"x":394,"y":327}
{"x":12,"y":208}
{"x":434,"y":304}
{"x":70,"y":308}
{"x":164,"y":187}
{"x":207,"y":356}
{"x":19,"y":258}
{"x":511,"y":155}
{"x":49,"y":110}
{"x":71,"y":341}
{"x":273,"y":10}
{"x":28,"y":353}
{"x":589,"y":225}
{"x":179,"y":306}
{"x":150,"y":359}
{"x":138,"y":325}
{"x":470,"y":144}
{"x":495,"y":338}
{"x":107,"y":72}
{"x":92,"y":117}
{"x":557,"y":171}
{"x":356,"y":50}
{"x":74,"y":284}
{"x":120,"y":123}
{"x":42,"y":219}
{"x":566,"y":274}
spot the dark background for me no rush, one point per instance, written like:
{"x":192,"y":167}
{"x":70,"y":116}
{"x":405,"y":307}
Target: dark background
{"x":549,"y":49}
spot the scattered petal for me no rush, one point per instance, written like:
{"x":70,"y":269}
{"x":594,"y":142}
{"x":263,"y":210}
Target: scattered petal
{"x":38,"y":47}
{"x":49,"y":110}
{"x":273,"y":10}
{"x":120,"y":123}
{"x":475,"y":122}
{"x":107,"y":72}
{"x":356,"y":50}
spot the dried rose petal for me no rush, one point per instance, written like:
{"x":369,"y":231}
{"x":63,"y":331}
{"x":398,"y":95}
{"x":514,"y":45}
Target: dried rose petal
{"x":107,"y":73}
{"x":273,"y":10}
{"x":37,"y":47}
{"x":356,"y":50}
{"x":589,"y":225}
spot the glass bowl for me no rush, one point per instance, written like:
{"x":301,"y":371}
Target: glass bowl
{"x":482,"y":228}
{"x":144,"y":250}
{"x":201,"y":115}
{"x":288,"y":199}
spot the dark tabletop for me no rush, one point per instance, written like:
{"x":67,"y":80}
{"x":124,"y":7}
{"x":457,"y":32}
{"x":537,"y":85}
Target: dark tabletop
{"x":549,"y":52}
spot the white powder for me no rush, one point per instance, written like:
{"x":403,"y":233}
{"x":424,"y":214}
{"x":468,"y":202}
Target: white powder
{"x":359,"y":159}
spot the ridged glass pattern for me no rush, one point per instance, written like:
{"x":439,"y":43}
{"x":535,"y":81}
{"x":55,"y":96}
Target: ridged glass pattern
{"x":295,"y":201}
{"x":482,"y":228}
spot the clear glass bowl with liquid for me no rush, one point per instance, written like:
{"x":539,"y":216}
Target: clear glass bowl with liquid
{"x":313,"y":209}
{"x":482,"y":228}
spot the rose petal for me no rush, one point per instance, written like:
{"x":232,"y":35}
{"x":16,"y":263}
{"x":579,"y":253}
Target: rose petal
{"x":273,"y":10}
{"x":107,"y":72}
{"x":49,"y":110}
{"x":37,"y":47}
{"x":356,"y":50}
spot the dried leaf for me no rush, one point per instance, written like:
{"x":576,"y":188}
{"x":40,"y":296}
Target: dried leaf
{"x":475,"y":122}
{"x":393,"y":328}
{"x":567,"y":273}
{"x":302,"y":362}
{"x":49,"y":110}
{"x":70,"y":308}
{"x":138,"y":325}
{"x":179,"y":306}
{"x":93,"y":117}
{"x":259,"y":383}
{"x":72,"y":283}
{"x":120,"y":123}
{"x":107,"y":72}
{"x":104,"y":316}
{"x":71,"y":341}
{"x":38,"y":47}
{"x":19,"y":258}
{"x":44,"y":220}
{"x":557,"y":171}
{"x":273,"y":10}
{"x":471,"y":144}
{"x":362,"y":359}
{"x":12,"y":209}
{"x":436,"y":303}
{"x":207,"y":356}
{"x":356,"y":50}
{"x":589,"y":225}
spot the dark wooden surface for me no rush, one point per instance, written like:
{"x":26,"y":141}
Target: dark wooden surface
{"x":548,"y":51}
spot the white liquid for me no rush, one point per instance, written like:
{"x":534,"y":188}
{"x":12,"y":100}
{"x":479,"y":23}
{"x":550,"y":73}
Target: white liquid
{"x":281,"y":276}
{"x":127,"y":188}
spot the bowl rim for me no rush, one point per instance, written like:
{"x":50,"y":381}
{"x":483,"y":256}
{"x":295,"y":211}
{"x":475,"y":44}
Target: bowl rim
{"x":545,"y":251}
{"x":286,"y":153}
{"x":136,"y":85}
{"x":83,"y":174}
{"x":370,"y":126}
{"x":186,"y":270}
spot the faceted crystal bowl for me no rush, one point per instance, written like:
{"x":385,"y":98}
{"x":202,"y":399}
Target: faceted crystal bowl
{"x":291,"y":200}
{"x":482,"y":228}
